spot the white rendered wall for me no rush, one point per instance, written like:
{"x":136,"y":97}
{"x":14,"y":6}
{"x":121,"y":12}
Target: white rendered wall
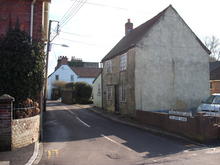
{"x":97,"y":95}
{"x":171,"y":67}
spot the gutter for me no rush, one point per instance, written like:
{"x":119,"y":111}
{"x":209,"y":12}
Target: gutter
{"x":32,"y":19}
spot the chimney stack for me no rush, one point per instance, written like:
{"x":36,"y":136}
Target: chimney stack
{"x":128,"y":27}
{"x":62,"y":60}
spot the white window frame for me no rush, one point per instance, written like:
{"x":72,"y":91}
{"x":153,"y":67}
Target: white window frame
{"x":108,"y":66}
{"x":123,"y":62}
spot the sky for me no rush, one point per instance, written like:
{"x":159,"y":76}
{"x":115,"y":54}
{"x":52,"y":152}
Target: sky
{"x":95,"y":29}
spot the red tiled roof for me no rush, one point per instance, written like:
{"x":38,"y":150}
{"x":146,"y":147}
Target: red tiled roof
{"x":86,"y":72}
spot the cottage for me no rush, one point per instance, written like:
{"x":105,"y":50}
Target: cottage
{"x":32,"y":16}
{"x":159,"y":65}
{"x":67,"y":73}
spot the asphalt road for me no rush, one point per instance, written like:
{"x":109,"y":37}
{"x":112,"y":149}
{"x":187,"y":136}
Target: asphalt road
{"x":76,"y":136}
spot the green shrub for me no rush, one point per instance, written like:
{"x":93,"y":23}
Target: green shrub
{"x":83,"y":92}
{"x":21,"y":65}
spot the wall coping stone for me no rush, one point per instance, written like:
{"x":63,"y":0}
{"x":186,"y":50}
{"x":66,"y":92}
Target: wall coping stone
{"x":6,"y":98}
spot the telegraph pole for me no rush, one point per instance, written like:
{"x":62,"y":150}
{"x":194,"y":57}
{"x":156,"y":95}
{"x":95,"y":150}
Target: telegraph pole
{"x":47,"y":59}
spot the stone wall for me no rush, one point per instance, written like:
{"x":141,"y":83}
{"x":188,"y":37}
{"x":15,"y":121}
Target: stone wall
{"x":115,"y":79}
{"x":25,"y":131}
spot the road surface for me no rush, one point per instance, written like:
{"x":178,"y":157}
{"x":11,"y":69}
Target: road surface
{"x":77,"y":136}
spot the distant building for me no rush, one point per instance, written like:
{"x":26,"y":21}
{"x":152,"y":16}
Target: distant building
{"x":75,"y":62}
{"x":65,"y":72}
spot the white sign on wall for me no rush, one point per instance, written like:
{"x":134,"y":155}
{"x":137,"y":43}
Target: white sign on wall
{"x":179,"y":118}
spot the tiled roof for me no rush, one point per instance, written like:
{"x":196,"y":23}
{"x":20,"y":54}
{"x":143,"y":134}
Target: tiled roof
{"x":132,"y":38}
{"x":86,"y":72}
{"x":214,"y":65}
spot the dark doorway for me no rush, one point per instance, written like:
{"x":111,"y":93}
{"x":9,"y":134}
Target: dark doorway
{"x":116,"y":98}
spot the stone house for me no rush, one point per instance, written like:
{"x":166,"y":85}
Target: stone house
{"x":32,"y":16}
{"x":159,"y":65}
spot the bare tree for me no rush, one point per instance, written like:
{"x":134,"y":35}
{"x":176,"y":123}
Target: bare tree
{"x":213,"y":44}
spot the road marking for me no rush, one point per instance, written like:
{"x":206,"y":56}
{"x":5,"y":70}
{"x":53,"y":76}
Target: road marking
{"x":34,"y":156}
{"x":113,"y":141}
{"x":87,"y":125}
{"x":51,"y":153}
{"x":83,"y":122}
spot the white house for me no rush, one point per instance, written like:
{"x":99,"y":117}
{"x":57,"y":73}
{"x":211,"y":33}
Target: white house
{"x":71,"y":74}
{"x":97,"y":91}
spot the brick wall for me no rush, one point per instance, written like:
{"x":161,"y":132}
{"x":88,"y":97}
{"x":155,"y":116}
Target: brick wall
{"x":25,"y":131}
{"x":215,"y":86}
{"x":17,"y":9}
{"x":200,"y":128}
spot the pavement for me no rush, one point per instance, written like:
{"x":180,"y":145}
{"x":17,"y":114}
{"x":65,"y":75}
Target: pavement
{"x":17,"y":157}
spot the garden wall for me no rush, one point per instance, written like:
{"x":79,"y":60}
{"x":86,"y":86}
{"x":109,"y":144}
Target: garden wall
{"x":25,"y":131}
{"x":199,"y":127}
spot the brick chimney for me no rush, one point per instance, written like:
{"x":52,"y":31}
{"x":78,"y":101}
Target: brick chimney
{"x":62,"y":60}
{"x":128,"y":27}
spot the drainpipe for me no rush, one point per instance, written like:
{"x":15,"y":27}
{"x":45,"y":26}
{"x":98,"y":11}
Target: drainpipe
{"x":32,"y":19}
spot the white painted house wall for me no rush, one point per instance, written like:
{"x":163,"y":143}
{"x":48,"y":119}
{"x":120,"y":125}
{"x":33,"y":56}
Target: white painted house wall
{"x":171,"y":67}
{"x":64,"y":72}
{"x":97,"y":91}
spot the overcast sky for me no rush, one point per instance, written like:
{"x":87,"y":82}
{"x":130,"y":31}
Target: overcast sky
{"x":99,"y":24}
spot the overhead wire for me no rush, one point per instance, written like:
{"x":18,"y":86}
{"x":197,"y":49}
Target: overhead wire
{"x":72,"y":12}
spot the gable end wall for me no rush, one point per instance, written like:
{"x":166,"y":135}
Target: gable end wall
{"x":171,"y":69}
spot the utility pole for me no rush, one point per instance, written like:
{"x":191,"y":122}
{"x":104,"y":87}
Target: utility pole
{"x":47,"y":59}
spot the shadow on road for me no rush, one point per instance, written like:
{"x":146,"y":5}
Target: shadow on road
{"x":62,"y":126}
